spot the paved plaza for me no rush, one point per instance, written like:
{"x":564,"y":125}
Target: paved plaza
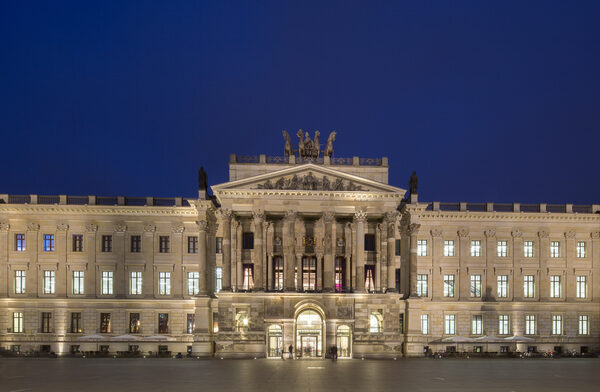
{"x":69,"y":374}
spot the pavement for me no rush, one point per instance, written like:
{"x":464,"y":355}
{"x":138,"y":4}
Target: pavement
{"x":109,"y":375}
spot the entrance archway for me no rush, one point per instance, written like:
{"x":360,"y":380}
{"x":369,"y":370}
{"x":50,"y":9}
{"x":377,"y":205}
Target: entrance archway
{"x":343,"y":342}
{"x":309,"y":334}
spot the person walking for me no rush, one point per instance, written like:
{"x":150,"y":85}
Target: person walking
{"x":334,"y":352}
{"x":291,"y":350}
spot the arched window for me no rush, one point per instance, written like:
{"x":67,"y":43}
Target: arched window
{"x":343,"y":341}
{"x":375,"y":322}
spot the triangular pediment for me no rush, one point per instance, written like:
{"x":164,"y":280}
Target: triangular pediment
{"x":308,"y":178}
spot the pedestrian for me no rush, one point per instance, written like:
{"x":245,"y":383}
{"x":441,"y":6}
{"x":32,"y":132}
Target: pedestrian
{"x":291,"y":350}
{"x":334,"y":352}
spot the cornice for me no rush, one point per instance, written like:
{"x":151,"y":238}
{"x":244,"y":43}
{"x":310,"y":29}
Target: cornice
{"x":508,"y":216}
{"x":96,"y":210}
{"x":307,"y":194}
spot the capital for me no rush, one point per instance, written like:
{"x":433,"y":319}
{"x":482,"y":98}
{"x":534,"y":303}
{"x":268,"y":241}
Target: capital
{"x":4,"y":226}
{"x":360,"y":215}
{"x":517,"y":233}
{"x":290,"y":215}
{"x":149,"y":228}
{"x":33,"y":226}
{"x":570,"y":234}
{"x":391,"y":216}
{"x":413,"y":228}
{"x":91,"y":227}
{"x":226,"y":214}
{"x":436,"y":233}
{"x":62,"y":227}
{"x":595,"y":235}
{"x":177,"y":229}
{"x":258,"y":216}
{"x":120,"y":228}
{"x":463,"y":233}
{"x":490,"y":233}
{"x":202,"y":225}
{"x":328,"y":216}
{"x":543,"y":234}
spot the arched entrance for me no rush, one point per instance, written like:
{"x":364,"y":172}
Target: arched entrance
{"x":309,"y":334}
{"x":343,"y":341}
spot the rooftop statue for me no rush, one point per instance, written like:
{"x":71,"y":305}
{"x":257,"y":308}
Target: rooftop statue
{"x":307,"y":147}
{"x":413,"y":183}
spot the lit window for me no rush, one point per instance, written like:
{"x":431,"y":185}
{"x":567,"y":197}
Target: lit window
{"x":164,"y":242}
{"x":581,"y":249}
{"x":17,"y":324}
{"x":475,"y":248}
{"x":248,"y":276}
{"x":20,"y":242}
{"x":502,"y":286}
{"x":502,"y":249}
{"x":48,"y":243}
{"x":105,"y":326}
{"x":450,"y":324}
{"x":241,"y":321}
{"x":528,"y":286}
{"x":278,"y":274}
{"x":375,"y":322}
{"x":134,"y":323}
{"x":219,"y":279}
{"x":76,"y":326}
{"x":164,"y":283}
{"x":528,"y":249}
{"x":20,"y":281}
{"x":554,"y":249}
{"x":107,"y":243}
{"x":107,"y":282}
{"x":583,"y":325}
{"x":421,"y":247}
{"x":503,"y":324}
{"x":136,"y":244}
{"x":581,"y":287}
{"x":448,"y":285}
{"x":77,"y":242}
{"x":49,"y":282}
{"x":449,"y":248}
{"x":424,"y":324}
{"x":530,"y":324}
{"x":219,"y":245}
{"x":78,"y":282}
{"x":135,"y":283}
{"x":422,"y":289}
{"x":477,"y":324}
{"x":556,"y":324}
{"x":476,"y":286}
{"x":191,"y":322}
{"x":163,"y":323}
{"x":193,"y":283}
{"x":369,"y":277}
{"x":555,"y":289}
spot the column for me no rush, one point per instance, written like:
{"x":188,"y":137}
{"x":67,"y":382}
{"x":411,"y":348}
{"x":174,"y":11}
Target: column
{"x":348,"y":256}
{"x":389,"y":229}
{"x":300,"y":232}
{"x":269,"y":242}
{"x":464,"y":288}
{"x":413,"y":231}
{"x":211,"y":255}
{"x":204,"y":284}
{"x":360,"y":217}
{"x":239,"y":272}
{"x":378,"y":259}
{"x":594,"y":254}
{"x":4,"y":266}
{"x":289,"y":258}
{"x":329,"y":251}
{"x":226,"y":219}
{"x":120,"y":282}
{"x":258,"y":219}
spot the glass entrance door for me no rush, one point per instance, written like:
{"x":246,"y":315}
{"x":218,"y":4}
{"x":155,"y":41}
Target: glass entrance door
{"x":309,"y":334}
{"x":309,"y":346}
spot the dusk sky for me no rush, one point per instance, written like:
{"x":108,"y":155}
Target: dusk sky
{"x":487,"y":101}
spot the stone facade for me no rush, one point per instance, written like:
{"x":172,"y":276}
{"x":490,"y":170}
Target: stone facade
{"x":307,"y":253}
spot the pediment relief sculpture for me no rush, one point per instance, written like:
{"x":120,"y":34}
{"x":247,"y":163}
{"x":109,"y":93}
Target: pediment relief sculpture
{"x":310,"y":182}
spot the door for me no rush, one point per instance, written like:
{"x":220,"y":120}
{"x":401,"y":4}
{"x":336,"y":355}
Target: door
{"x":309,"y":346}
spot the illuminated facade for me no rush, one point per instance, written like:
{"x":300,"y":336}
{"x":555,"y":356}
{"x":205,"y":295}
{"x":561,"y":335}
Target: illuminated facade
{"x":297,"y":251}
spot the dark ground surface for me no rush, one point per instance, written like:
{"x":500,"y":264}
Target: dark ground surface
{"x":108,"y":375}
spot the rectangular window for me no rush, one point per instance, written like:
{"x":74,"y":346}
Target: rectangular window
{"x":583,"y":325}
{"x":107,"y":243}
{"x":247,"y":240}
{"x":476,"y":286}
{"x":76,"y":322}
{"x":503,"y":324}
{"x":193,"y":245}
{"x":554,"y":249}
{"x":164,"y":244}
{"x":105,"y":323}
{"x":135,"y":283}
{"x":401,"y":323}
{"x":17,"y":322}
{"x":107,"y":283}
{"x":49,"y":282}
{"x":20,"y":281}
{"x":528,"y":286}
{"x":77,"y":242}
{"x":424,"y":324}
{"x":582,"y":286}
{"x":193,"y":283}
{"x":477,"y":324}
{"x":422,"y":285}
{"x":278,"y":274}
{"x":164,"y":283}
{"x":20,"y":242}
{"x":555,"y":289}
{"x":163,"y":323}
{"x":78,"y":282}
{"x":530,"y":324}
{"x":191,"y":322}
{"x":556,"y":324}
{"x":527,"y":249}
{"x":450,"y":324}
{"x":370,"y":277}
{"x":46,"y":322}
{"x":502,"y":250}
{"x":309,"y":273}
{"x":581,"y":249}
{"x":219,"y":245}
{"x":219,"y":279}
{"x":134,"y":323}
{"x":448,"y":285}
{"x":370,"y":242}
{"x":397,"y":248}
{"x":449,"y":248}
{"x":421,"y":247}
{"x":248,"y":276}
{"x":136,"y":243}
{"x":48,"y":243}
{"x":475,"y":248}
{"x":397,"y":281}
{"x":502,"y":286}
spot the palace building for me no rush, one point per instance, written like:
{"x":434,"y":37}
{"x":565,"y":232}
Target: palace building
{"x":307,"y":250}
